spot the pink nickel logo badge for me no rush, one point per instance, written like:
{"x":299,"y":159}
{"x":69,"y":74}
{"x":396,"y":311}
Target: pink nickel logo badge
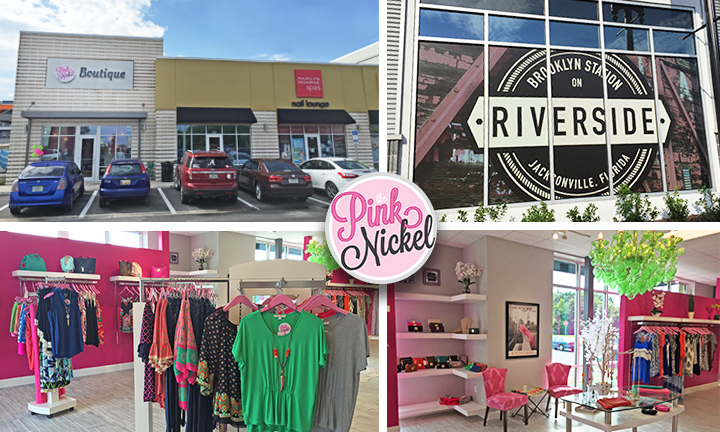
{"x":64,"y":74}
{"x":381,"y":228}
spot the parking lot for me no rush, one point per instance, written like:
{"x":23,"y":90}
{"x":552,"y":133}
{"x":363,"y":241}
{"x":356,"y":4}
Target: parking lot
{"x":164,"y":206}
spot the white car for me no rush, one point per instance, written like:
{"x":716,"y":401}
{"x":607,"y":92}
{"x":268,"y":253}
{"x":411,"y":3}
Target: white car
{"x":333,"y":173}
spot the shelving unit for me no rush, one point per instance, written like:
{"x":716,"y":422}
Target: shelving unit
{"x":469,"y":409}
{"x":69,"y":276}
{"x":650,"y":318}
{"x":181,"y":273}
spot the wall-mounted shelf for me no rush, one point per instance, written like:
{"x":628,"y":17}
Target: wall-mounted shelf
{"x":469,"y":409}
{"x":427,"y":373}
{"x":181,"y":273}
{"x":350,"y":285}
{"x":650,"y":318}
{"x":125,"y":279}
{"x":457,"y":336}
{"x":457,"y":299}
{"x":70,"y":276}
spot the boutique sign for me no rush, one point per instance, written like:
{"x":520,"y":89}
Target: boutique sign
{"x":89,"y":74}
{"x":381,"y":228}
{"x":580,"y":120}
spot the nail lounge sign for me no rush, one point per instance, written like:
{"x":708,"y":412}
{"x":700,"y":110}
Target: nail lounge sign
{"x":89,"y":74}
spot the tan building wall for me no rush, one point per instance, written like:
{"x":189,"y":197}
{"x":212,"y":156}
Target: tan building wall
{"x":36,"y":48}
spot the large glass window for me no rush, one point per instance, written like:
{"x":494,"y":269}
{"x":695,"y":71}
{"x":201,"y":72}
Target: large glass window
{"x":125,"y":238}
{"x":266,"y":251}
{"x":375,"y":144}
{"x":524,"y":6}
{"x":518,"y":30}
{"x":235,"y":138}
{"x":583,"y":9}
{"x":451,"y":24}
{"x":331,"y":140}
{"x":626,"y":38}
{"x":58,"y":143}
{"x":574,"y":34}
{"x":635,"y":14}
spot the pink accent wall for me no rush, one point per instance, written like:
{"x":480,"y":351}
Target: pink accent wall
{"x":676,"y":305}
{"x":392,"y":384}
{"x":51,"y":250}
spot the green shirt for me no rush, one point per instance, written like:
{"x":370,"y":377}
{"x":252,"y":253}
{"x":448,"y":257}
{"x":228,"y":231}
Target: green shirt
{"x":265,"y":406}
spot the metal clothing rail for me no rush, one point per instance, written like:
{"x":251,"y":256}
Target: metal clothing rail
{"x":187,"y":279}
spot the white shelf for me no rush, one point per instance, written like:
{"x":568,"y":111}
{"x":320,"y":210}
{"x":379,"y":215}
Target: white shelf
{"x":456,"y":336}
{"x":424,"y":373}
{"x":124,"y":279}
{"x":457,"y":299}
{"x":38,"y":274}
{"x":421,"y":409}
{"x":471,"y":409}
{"x":180,"y":273}
{"x":466,"y":374}
{"x":650,"y":318}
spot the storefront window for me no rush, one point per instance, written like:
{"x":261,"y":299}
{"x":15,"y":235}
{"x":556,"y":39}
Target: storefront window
{"x":299,"y":143}
{"x":517,"y":30}
{"x":573,"y":34}
{"x":235,"y":140}
{"x":523,"y":6}
{"x":455,"y":25}
{"x":582,"y":9}
{"x":626,"y":39}
{"x":57,"y":143}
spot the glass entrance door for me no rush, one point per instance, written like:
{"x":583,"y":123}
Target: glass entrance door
{"x":313,"y":146}
{"x":214,"y":142}
{"x":87,"y":160}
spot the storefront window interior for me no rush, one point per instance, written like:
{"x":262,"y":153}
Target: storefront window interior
{"x":300,"y":143}
{"x":491,"y":141}
{"x":232,"y":139}
{"x":58,"y":143}
{"x":266,"y":251}
{"x":116,"y":143}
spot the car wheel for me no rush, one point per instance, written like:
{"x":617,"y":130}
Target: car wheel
{"x":177,"y":182}
{"x":14,"y":211}
{"x":233,"y":198}
{"x":68,"y":208}
{"x":103,"y":202}
{"x":331,"y":190}
{"x":259,"y":193}
{"x":184,"y":198}
{"x":302,"y":198}
{"x":82,"y":190}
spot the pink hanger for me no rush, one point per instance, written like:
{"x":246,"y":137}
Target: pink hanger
{"x":240,"y":299}
{"x":278,"y":300}
{"x":320,"y":300}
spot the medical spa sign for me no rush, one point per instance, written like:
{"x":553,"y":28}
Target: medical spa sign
{"x":579,"y":118}
{"x":381,"y":228}
{"x":89,"y":74}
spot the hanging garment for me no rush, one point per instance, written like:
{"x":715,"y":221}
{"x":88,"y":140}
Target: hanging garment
{"x":126,"y":316}
{"x":55,"y":373}
{"x":200,"y":408}
{"x":42,"y":321}
{"x":218,"y":372}
{"x":675,"y":383}
{"x":339,"y":381}
{"x":690,"y":354}
{"x":703,"y":357}
{"x":101,"y":330}
{"x":641,"y":358}
{"x":92,"y":337}
{"x":65,"y":325}
{"x":654,"y":355}
{"x":279,"y":393}
{"x":146,"y":338}
{"x":83,"y":317}
{"x":174,"y":416}
{"x":12,"y":318}
{"x":711,"y":350}
{"x":160,"y":352}
{"x":186,"y":354}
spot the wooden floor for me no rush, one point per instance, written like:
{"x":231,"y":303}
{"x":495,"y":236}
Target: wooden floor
{"x":105,"y":403}
{"x":702,"y":414}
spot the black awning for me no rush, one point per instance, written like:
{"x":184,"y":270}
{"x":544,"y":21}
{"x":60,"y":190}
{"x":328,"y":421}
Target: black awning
{"x":313,"y":116}
{"x":374,"y":116}
{"x":215,"y":115}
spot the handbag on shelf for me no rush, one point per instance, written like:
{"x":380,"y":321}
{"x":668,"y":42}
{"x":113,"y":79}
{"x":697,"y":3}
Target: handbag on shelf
{"x":442,"y":362}
{"x":136,"y":270}
{"x":436,"y":327}
{"x":84,"y":265}
{"x":414,"y":326}
{"x":449,"y":401}
{"x":160,"y":271}
{"x":474,"y":330}
{"x":453,"y":358}
{"x":67,"y":264}
{"x":455,"y":363}
{"x":404,"y":362}
{"x":411,"y":368}
{"x":33,"y":262}
{"x":125,"y":268}
{"x":464,"y":360}
{"x":430,"y":362}
{"x":419,"y":362}
{"x":465,"y":399}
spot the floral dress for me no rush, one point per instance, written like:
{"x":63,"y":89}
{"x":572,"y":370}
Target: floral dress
{"x":218,"y":372}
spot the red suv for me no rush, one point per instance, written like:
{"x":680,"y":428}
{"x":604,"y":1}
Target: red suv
{"x":206,"y":174}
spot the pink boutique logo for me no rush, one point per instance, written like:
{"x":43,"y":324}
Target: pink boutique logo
{"x":381,"y":228}
{"x":64,"y":74}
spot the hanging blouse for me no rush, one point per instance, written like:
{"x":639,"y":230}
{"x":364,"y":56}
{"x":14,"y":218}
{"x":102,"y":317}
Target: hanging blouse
{"x":65,"y":323}
{"x":146,"y":338}
{"x":101,"y":330}
{"x":160,"y":352}
{"x":186,"y":355}
{"x":126,"y":316}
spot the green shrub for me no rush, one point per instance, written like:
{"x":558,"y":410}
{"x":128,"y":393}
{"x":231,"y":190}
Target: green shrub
{"x":490,"y":213}
{"x":443,"y":218}
{"x":678,"y":210}
{"x":632,"y":207}
{"x":462,"y":216}
{"x":539,"y":213}
{"x":588,"y":215}
{"x":709,"y":204}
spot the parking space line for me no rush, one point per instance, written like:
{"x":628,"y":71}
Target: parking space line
{"x":87,"y":206}
{"x":247,"y":203}
{"x":4,"y":207}
{"x":167,"y":202}
{"x":320,"y":201}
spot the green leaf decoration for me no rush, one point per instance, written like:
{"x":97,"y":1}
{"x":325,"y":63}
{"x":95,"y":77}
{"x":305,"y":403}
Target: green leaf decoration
{"x":320,"y":253}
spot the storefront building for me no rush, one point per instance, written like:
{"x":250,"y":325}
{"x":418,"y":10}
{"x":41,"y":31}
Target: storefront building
{"x":92,"y":99}
{"x":559,"y":101}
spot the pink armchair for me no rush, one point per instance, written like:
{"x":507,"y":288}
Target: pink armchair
{"x":494,"y":381}
{"x":557,"y":377}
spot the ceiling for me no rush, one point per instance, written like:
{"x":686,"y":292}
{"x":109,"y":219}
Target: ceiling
{"x":701,"y":262}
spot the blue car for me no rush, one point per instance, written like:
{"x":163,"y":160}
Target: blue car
{"x":51,"y":183}
{"x":124,"y":178}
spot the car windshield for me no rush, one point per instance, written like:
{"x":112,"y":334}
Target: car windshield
{"x":212,"y":162}
{"x":43,"y":171}
{"x":125,"y":170}
{"x":278,"y":166}
{"x":348,"y":164}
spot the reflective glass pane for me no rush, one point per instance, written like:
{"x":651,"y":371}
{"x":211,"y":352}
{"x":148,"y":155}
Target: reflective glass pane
{"x":283,"y":129}
{"x":124,"y":130}
{"x":625,"y":13}
{"x":574,"y":9}
{"x":54,"y":130}
{"x":88,"y":130}
{"x":311,"y":129}
{"x":519,"y":30}
{"x":243,"y":144}
{"x":198,"y":142}
{"x":451,"y":24}
{"x":631,"y":39}
{"x":672,"y":42}
{"x":67,"y":130}
{"x":524,"y":6}
{"x":571,"y":34}
{"x":326,"y":146}
{"x":46,"y":130}
{"x":339,"y":142}
{"x":296,"y":129}
{"x":338,"y":129}
{"x":181,"y":128}
{"x":214,"y":129}
{"x":66,"y":149}
{"x":325,"y":129}
{"x":196,"y":129}
{"x":243,"y":129}
{"x":228,"y":129}
{"x":108,"y":130}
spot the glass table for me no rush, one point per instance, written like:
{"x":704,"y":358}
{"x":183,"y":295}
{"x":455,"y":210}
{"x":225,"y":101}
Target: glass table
{"x":584,"y":408}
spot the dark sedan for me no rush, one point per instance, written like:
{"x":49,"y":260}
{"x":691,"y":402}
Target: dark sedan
{"x":124,"y":178}
{"x":275,"y":178}
{"x":51,"y":183}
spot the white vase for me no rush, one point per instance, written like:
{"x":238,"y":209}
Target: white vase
{"x":691,"y":315}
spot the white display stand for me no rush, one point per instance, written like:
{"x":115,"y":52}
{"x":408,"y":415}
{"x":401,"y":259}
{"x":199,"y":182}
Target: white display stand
{"x":620,"y":420}
{"x":55,"y":404}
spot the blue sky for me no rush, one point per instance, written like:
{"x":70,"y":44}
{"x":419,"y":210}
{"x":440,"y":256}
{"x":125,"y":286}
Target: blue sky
{"x":281,"y":30}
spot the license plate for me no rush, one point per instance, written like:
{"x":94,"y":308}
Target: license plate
{"x":213,"y":176}
{"x":37,"y":188}
{"x":124,"y":182}
{"x":293,"y":181}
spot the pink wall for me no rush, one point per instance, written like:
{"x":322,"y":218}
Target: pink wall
{"x":676,"y":305}
{"x":14,"y":246}
{"x":392,"y":384}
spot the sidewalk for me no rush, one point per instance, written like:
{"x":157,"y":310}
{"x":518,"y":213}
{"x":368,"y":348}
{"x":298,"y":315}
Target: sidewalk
{"x":93,"y":186}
